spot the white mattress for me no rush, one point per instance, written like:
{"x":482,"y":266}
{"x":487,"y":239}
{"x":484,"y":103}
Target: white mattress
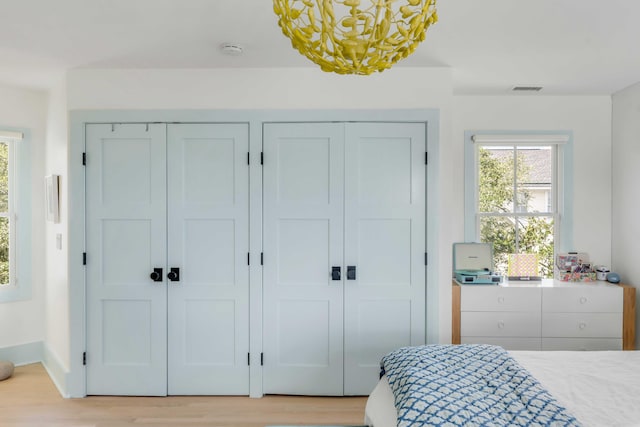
{"x":600,"y":388}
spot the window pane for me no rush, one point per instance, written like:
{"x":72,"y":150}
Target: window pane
{"x":495,"y":190}
{"x":501,"y":232}
{"x":534,"y":176}
{"x":4,"y":251}
{"x":535,"y":236}
{"x":4,"y":177}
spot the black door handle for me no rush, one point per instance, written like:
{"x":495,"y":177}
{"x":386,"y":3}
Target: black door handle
{"x":351,"y":272}
{"x":174,"y":274}
{"x":156,"y":276}
{"x":335,"y":273}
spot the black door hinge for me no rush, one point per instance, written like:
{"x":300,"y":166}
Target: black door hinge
{"x":261,"y":359}
{"x":248,"y":258}
{"x":426,"y":259}
{"x":84,"y":159}
{"x":84,"y":258}
{"x":261,"y":258}
{"x":426,"y":158}
{"x":262,"y":157}
{"x":248,"y":158}
{"x":248,"y":359}
{"x":84,"y":358}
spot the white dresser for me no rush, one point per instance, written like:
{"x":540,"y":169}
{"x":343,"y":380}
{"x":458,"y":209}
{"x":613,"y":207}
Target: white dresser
{"x":550,"y":315}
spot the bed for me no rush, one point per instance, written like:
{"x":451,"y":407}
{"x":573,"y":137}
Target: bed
{"x":597,"y":388}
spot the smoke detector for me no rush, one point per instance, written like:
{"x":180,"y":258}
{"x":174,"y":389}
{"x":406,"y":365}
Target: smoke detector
{"x":231,"y":49}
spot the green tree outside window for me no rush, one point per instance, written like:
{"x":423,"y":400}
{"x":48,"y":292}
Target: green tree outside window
{"x":4,"y":214}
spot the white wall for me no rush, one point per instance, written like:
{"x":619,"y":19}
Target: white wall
{"x":588,"y":117}
{"x":23,"y":321}
{"x":626,"y":195}
{"x":57,"y":290}
{"x":254,"y":88}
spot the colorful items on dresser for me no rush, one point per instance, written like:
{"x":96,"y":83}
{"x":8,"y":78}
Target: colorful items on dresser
{"x":574,"y":267}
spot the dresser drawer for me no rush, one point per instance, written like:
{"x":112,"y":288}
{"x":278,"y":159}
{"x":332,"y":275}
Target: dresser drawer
{"x":498,"y":298}
{"x":582,"y":300}
{"x":582,"y":325}
{"x":500,"y":324}
{"x":510,"y":343}
{"x":591,"y":344}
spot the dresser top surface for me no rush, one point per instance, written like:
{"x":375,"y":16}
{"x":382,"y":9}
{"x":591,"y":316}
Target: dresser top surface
{"x":546,"y":283}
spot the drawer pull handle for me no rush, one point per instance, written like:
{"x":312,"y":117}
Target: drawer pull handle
{"x":582,"y":325}
{"x":583,"y":300}
{"x":500,"y":300}
{"x":501,"y":325}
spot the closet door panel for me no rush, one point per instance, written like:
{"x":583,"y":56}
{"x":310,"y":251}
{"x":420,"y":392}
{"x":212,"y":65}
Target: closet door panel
{"x":303,"y":225}
{"x":384,"y":252}
{"x":381,"y":324}
{"x":385,"y":242}
{"x":208,"y":208}
{"x":126,"y":240}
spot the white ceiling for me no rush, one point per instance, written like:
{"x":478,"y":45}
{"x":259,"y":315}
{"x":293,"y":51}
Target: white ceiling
{"x":567,"y":46}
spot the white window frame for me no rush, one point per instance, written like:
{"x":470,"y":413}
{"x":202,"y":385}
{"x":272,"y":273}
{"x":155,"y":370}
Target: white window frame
{"x":562,"y":187}
{"x":19,"y":214}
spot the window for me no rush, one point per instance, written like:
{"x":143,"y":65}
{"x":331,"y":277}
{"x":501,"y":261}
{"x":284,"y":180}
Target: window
{"x":516,"y":195}
{"x":6,"y":212}
{"x":15,"y":216}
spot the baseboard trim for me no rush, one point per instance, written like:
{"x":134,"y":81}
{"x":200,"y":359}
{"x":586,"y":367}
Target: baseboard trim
{"x":23,"y":354}
{"x":56,"y":371}
{"x":37,"y":352}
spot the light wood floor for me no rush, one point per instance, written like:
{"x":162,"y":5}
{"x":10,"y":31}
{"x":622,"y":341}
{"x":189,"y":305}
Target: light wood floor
{"x":29,"y":398}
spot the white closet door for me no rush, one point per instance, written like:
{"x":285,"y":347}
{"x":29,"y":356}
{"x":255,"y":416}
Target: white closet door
{"x":385,"y":242}
{"x":208,"y":208}
{"x":303,"y":225}
{"x":126,"y":240}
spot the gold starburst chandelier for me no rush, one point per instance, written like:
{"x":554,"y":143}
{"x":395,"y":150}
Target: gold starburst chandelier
{"x":355,"y":36}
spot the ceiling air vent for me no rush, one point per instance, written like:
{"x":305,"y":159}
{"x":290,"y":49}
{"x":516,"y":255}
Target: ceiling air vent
{"x":526,"y":88}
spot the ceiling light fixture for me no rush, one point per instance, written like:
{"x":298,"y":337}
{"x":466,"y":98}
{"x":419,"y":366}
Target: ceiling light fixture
{"x":355,"y":36}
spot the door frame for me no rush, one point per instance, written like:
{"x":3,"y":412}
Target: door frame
{"x":73,"y":381}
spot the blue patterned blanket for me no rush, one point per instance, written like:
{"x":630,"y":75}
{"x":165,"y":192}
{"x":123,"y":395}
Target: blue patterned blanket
{"x":468,"y":385}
